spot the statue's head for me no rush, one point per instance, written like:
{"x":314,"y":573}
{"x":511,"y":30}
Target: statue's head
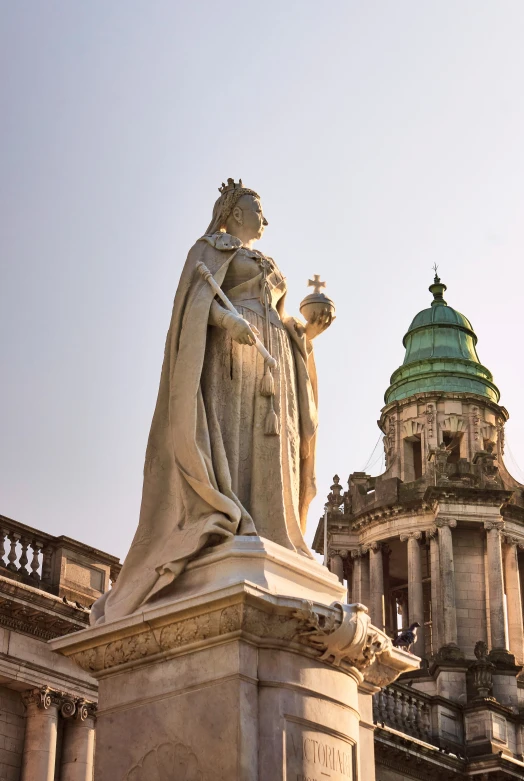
{"x":238,"y":212}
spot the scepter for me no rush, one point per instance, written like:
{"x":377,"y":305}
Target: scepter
{"x":208,"y":276}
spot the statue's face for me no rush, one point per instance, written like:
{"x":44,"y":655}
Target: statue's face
{"x":250,"y":218}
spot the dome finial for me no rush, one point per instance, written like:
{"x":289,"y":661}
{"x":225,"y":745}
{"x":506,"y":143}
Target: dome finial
{"x":437,"y":288}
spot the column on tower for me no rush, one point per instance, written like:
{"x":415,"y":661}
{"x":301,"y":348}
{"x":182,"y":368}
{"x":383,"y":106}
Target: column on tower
{"x":514,"y":599}
{"x":390,"y":612}
{"x":415,"y":591}
{"x":436,"y":606}
{"x":360,"y":586}
{"x":447,"y":570}
{"x":496,"y":583}
{"x":336,"y":565}
{"x":376,"y":585}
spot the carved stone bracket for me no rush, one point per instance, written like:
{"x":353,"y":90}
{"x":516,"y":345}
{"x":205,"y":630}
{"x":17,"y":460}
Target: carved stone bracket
{"x":349,"y":637}
{"x":68,"y":705}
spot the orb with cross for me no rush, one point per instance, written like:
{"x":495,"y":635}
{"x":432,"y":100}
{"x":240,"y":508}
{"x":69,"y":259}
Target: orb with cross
{"x":316,"y":304}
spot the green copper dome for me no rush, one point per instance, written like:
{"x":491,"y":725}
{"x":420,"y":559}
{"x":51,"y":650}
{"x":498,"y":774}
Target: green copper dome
{"x":441,"y":355}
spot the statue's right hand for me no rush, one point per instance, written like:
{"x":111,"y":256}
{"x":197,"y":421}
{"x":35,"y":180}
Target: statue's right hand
{"x":239,"y":329}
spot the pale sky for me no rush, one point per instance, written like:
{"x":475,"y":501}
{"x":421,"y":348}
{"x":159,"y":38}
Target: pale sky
{"x":382,"y":136}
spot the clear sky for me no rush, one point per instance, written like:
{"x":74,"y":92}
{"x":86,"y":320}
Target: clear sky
{"x":382,"y":136}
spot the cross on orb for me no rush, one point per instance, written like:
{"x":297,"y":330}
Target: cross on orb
{"x":316,"y":284}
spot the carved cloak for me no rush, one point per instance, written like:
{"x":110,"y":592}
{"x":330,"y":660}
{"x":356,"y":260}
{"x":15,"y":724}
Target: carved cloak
{"x":182,"y":508}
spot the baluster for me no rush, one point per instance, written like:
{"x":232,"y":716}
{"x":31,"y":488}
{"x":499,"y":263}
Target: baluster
{"x":413,"y":716}
{"x":12,"y":557}
{"x":23,"y":560}
{"x":3,"y":535}
{"x":35,"y":562}
{"x":405,"y":714}
{"x":382,"y":705}
{"x":390,"y":708}
{"x":47,"y":564}
{"x":398,"y":709}
{"x":426,"y":722}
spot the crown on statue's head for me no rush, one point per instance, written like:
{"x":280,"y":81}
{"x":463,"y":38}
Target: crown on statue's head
{"x":231,"y":185}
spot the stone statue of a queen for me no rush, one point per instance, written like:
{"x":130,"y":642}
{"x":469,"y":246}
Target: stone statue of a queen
{"x":232,"y":442}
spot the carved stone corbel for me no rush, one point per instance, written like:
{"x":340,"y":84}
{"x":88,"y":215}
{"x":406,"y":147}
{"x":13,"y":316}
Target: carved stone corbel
{"x":348,"y":637}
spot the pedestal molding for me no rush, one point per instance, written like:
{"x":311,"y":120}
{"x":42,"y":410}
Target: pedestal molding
{"x":340,"y":635}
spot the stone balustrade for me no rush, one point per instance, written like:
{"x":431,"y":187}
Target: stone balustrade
{"x":403,"y":709}
{"x":58,"y":565}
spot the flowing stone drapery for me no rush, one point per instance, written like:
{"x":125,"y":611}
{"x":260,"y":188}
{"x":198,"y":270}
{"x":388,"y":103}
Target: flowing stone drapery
{"x":447,"y":568}
{"x":496,"y":584}
{"x":513,"y":597}
{"x":376,"y":584}
{"x":415,"y":593}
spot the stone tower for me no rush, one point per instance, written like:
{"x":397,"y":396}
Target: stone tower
{"x":438,"y":538}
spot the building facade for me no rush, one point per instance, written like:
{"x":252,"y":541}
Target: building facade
{"x":438,"y":539}
{"x":47,"y":703}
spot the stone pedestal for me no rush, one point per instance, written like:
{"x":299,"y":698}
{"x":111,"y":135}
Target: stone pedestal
{"x":225,"y":679}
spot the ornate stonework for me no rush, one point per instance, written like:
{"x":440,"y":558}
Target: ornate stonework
{"x":69,"y":706}
{"x":339,"y":635}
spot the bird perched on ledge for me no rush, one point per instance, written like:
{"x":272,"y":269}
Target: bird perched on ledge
{"x":406,"y":639}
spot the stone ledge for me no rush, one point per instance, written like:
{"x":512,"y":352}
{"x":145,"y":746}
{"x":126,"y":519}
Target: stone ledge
{"x":338,"y":635}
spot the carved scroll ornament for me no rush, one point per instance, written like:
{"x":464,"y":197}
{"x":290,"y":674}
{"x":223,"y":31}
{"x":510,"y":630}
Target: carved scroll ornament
{"x":347,"y":636}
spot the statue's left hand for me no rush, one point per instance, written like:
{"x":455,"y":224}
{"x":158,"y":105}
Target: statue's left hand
{"x":318,"y":323}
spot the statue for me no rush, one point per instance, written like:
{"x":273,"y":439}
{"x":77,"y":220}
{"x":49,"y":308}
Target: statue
{"x":232,"y":442}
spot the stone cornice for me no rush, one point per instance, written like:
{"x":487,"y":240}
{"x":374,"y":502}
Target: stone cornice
{"x":388,"y":512}
{"x":436,"y":396}
{"x":33,"y":611}
{"x":425,"y":762}
{"x":494,"y":497}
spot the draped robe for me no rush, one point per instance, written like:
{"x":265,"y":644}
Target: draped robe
{"x":210,"y":471}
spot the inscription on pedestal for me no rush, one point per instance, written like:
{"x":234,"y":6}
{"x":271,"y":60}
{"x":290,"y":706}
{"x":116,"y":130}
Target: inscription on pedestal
{"x":313,"y":754}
